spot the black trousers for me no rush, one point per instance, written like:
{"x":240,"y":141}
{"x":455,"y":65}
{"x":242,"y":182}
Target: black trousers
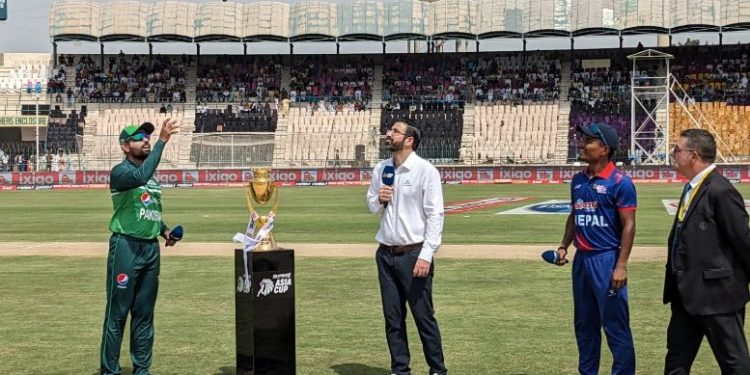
{"x":725,"y":334}
{"x":397,"y":288}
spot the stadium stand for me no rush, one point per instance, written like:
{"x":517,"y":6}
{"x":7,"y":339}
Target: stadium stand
{"x":711,"y":74}
{"x":441,"y":127}
{"x":238,"y":78}
{"x":339,"y":79}
{"x":731,"y":122}
{"x":515,"y":133}
{"x":24,"y":73}
{"x":509,"y":78}
{"x":504,"y":99}
{"x":244,"y":119}
{"x":62,"y":131}
{"x":107,"y":124}
{"x":130,"y":79}
{"x":326,"y":138}
{"x":604,"y":83}
{"x":431,"y":77}
{"x":511,"y":107}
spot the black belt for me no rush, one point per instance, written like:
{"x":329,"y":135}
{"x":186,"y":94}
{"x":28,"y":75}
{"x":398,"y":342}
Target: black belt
{"x":401,"y":249}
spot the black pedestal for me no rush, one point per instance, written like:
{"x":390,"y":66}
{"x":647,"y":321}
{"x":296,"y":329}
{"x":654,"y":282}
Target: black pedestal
{"x":264,"y":312}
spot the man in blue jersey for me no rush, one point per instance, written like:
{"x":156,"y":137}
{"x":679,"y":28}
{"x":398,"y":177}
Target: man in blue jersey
{"x":602,"y":227}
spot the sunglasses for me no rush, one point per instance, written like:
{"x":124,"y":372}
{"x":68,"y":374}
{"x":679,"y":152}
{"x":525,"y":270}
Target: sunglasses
{"x":598,"y":132}
{"x":137,"y":137}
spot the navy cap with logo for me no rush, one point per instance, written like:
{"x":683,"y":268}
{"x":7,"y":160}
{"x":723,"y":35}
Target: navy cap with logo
{"x":130,"y":131}
{"x":603,"y":132}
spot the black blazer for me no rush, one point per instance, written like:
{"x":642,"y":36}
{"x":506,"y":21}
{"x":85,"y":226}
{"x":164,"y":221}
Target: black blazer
{"x":712,"y":255}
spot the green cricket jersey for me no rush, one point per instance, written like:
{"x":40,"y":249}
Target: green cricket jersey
{"x":136,"y":197}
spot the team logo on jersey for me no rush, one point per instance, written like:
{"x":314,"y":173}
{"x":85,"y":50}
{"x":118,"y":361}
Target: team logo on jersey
{"x":146,"y":198}
{"x":601,"y":189}
{"x":122,"y":281}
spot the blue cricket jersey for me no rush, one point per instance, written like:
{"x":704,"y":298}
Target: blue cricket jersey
{"x":595,"y":203}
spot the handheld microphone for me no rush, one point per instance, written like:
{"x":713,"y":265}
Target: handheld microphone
{"x":389,"y":175}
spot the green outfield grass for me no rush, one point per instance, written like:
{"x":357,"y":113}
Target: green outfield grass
{"x":312,"y":214}
{"x":497,"y":317}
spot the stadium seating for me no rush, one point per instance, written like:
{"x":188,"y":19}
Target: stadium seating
{"x":515,"y":133}
{"x":731,"y":122}
{"x":601,"y":83}
{"x":510,"y":78}
{"x":431,"y":77}
{"x":24,"y":73}
{"x":110,"y":122}
{"x":441,"y":130}
{"x":316,"y":138}
{"x":130,"y":79}
{"x":62,"y":131}
{"x":331,"y":78}
{"x":238,"y":78}
{"x":257,"y":120}
{"x":517,"y":97}
{"x":708,"y":73}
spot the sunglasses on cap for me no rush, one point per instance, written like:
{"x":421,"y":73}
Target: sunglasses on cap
{"x":137,"y":137}
{"x":598,"y":132}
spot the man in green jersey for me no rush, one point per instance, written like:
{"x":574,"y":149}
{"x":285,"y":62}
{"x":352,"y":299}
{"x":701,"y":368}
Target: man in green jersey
{"x":133,"y":261}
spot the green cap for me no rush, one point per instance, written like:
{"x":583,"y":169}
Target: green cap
{"x":132,"y":130}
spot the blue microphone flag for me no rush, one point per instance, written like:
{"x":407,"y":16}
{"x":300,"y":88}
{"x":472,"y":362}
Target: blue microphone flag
{"x":389,"y":175}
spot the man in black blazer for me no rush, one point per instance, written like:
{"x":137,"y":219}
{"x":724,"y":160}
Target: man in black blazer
{"x":708,"y":263}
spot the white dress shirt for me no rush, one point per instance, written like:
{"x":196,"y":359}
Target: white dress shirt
{"x":415,"y":212}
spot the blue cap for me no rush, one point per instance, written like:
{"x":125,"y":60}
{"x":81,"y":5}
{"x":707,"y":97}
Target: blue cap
{"x":176,"y":233}
{"x":603,"y":132}
{"x":550,"y":256}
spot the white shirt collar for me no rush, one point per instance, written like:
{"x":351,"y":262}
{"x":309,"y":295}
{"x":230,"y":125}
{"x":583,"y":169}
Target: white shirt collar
{"x":409,"y":162}
{"x":702,"y":174}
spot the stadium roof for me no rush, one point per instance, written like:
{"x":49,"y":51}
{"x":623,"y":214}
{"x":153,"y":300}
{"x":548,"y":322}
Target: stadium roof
{"x":376,"y":20}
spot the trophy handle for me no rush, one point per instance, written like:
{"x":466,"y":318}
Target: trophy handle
{"x":275,"y":204}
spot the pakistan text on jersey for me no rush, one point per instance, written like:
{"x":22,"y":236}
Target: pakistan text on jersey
{"x":150,"y":215}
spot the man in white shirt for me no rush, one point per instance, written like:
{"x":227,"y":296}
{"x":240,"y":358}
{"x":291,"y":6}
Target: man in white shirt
{"x":410,"y":232}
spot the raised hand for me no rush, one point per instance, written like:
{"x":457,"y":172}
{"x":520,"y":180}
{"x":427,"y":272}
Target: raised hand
{"x":168,"y":127}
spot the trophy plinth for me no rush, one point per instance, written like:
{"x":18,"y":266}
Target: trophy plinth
{"x":261,"y":190}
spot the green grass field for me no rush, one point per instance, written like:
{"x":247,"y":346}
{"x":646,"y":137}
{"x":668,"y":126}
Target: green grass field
{"x":312,"y":214}
{"x":497,"y":316}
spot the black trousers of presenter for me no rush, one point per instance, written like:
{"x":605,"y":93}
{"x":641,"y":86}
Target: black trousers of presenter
{"x":398,"y":287}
